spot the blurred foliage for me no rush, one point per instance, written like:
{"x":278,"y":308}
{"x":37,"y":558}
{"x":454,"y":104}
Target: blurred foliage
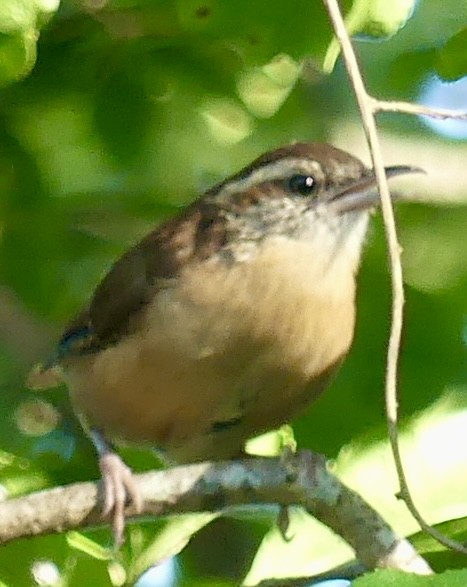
{"x":113,"y":114}
{"x":452,"y":58}
{"x":399,"y":579}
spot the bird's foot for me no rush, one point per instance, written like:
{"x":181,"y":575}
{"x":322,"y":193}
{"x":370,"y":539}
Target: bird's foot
{"x":120,"y":489}
{"x":295,"y":462}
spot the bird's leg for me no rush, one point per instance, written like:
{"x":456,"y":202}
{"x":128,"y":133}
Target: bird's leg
{"x":119,"y":485}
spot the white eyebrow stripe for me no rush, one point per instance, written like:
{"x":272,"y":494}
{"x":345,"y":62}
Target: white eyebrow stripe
{"x":281,"y":169}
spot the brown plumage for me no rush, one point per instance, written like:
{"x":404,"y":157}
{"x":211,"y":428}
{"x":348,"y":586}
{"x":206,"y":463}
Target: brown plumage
{"x":227,"y":320}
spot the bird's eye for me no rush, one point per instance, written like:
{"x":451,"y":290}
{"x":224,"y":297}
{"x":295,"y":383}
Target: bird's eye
{"x":304,"y":185}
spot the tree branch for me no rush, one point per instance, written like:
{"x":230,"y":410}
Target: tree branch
{"x":368,"y":106}
{"x":303,"y":479}
{"x":417,"y":109}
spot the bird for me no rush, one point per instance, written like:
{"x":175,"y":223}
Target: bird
{"x":226,"y":321}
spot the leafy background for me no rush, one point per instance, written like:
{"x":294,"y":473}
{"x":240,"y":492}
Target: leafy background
{"x":115,"y":113}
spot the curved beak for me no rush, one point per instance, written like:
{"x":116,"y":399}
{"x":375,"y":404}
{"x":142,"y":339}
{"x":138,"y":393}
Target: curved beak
{"x":363,"y":193}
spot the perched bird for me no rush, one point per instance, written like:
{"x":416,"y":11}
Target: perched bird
{"x":224,"y":322}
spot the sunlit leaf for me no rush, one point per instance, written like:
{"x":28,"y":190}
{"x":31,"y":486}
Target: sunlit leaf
{"x":17,"y":55}
{"x":90,"y":547}
{"x":451,"y":60}
{"x":263,"y":90}
{"x":17,"y":15}
{"x":227,"y":122}
{"x":371,"y":18}
{"x":170,"y":541}
{"x":399,"y":579}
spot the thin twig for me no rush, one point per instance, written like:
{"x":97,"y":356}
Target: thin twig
{"x":417,"y":109}
{"x":302,"y":480}
{"x":368,"y":106}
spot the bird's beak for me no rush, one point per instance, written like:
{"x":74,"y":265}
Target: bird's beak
{"x":363,"y":193}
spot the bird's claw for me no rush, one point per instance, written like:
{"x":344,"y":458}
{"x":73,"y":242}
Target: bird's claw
{"x":120,"y":489}
{"x":283,"y":523}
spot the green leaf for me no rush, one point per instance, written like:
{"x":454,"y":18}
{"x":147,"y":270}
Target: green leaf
{"x":78,"y":541}
{"x":18,"y":560}
{"x":379,"y":18}
{"x":173,"y":538}
{"x":17,"y":55}
{"x":400,"y":579}
{"x":455,"y":529}
{"x":263,"y":90}
{"x":451,"y":60}
{"x":438,"y":556}
{"x":17,"y":15}
{"x":20,"y":21}
{"x":226,"y":120}
{"x":47,"y":5}
{"x":371,"y":18}
{"x":122,"y":104}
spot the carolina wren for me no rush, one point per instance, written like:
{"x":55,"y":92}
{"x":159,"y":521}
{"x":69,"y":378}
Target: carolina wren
{"x":225,"y":321}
